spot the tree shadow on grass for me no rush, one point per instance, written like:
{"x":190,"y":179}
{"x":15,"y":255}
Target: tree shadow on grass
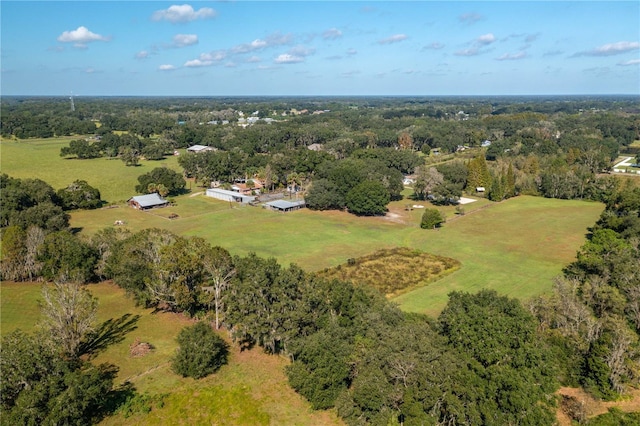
{"x":108,"y":333}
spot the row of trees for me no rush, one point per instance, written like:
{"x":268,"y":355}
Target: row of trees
{"x":596,"y":305}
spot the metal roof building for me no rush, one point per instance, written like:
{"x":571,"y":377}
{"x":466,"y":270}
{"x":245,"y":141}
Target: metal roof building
{"x":148,"y":201}
{"x":285,"y":206}
{"x":231,"y":196}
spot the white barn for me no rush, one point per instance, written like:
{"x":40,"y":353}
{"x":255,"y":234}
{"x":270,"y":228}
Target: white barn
{"x":231,"y":196}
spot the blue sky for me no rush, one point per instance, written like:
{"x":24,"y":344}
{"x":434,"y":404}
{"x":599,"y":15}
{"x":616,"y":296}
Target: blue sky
{"x":198,"y":48}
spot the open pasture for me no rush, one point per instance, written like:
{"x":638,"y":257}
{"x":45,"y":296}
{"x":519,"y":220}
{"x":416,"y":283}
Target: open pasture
{"x":40,"y":158}
{"x":516,"y":247}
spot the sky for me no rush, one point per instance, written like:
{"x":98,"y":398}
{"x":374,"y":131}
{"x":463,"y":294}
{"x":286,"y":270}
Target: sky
{"x":326,"y":48}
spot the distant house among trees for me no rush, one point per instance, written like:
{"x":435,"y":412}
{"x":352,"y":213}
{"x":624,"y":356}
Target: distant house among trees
{"x":284,"y":205}
{"x":231,"y":196}
{"x":149,"y":201}
{"x":200,"y":148}
{"x":248,"y":188}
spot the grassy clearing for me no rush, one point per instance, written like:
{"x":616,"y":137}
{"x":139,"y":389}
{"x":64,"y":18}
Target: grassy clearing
{"x":40,"y":158}
{"x":251,"y":390}
{"x":516,"y":247}
{"x":393,"y":271}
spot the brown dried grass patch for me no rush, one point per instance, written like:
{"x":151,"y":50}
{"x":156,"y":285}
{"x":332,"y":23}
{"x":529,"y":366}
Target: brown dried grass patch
{"x":393,"y":271}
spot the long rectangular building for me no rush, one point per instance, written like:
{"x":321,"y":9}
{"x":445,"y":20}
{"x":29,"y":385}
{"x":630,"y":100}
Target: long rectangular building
{"x":231,"y":196}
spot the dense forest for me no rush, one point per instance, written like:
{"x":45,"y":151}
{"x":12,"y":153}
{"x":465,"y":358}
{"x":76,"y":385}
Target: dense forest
{"x":486,"y":359}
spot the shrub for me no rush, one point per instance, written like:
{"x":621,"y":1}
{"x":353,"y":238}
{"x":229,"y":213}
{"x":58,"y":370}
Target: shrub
{"x":201,"y":351}
{"x":431,"y":218}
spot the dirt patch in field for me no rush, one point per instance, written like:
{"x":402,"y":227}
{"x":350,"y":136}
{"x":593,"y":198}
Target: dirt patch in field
{"x":593,"y":407}
{"x":139,"y":349}
{"x":394,"y":217}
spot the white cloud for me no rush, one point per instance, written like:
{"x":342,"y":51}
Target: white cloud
{"x":215,"y":56}
{"x":630,"y":62}
{"x":470,"y":18}
{"x":207,"y":59}
{"x":553,"y":53}
{"x":332,"y":34}
{"x":295,"y":55}
{"x":486,"y":39}
{"x":287,"y":58}
{"x":302,"y":51}
{"x":351,"y":51}
{"x":396,"y":38}
{"x":196,"y":63}
{"x":477,"y":45}
{"x":143,"y":54}
{"x":166,"y":67}
{"x":182,"y":13}
{"x":611,"y":49}
{"x":275,"y":39}
{"x":473,"y":51}
{"x":183,"y":40}
{"x":436,"y":45}
{"x":512,"y":56}
{"x":80,"y":36}
{"x":254,"y":59}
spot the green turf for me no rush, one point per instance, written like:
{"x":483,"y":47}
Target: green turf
{"x":40,"y":158}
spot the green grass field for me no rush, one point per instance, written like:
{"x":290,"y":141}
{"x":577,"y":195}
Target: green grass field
{"x":40,"y":158}
{"x":516,"y":247}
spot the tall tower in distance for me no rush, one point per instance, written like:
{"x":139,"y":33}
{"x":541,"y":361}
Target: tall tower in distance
{"x":73,"y":107}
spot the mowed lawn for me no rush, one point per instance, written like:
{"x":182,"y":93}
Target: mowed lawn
{"x":251,"y":390}
{"x":516,"y":247}
{"x":40,"y":158}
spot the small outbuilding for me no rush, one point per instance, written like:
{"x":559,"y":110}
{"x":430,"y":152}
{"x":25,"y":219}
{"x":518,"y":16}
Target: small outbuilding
{"x":149,"y":201}
{"x":200,"y":148}
{"x":231,"y":196}
{"x":284,"y":205}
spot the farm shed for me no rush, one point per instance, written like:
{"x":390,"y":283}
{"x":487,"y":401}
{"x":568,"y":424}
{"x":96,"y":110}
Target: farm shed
{"x":285,"y":206}
{"x":200,"y":148}
{"x":149,"y":201}
{"x":231,"y":196}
